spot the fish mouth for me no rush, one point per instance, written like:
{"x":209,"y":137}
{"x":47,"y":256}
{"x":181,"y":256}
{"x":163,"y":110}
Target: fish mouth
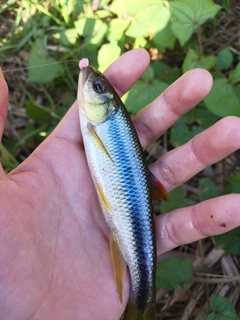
{"x":83,"y":78}
{"x":84,"y":74}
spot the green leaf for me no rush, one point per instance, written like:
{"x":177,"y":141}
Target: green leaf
{"x":139,"y":42}
{"x":67,"y":37}
{"x":173,"y":273}
{"x":142,"y":93}
{"x":233,"y":184}
{"x":222,"y":309}
{"x":48,"y":70}
{"x":208,"y":189}
{"x":194,"y":59}
{"x":164,"y":39}
{"x":222,"y":99}
{"x":130,"y":8}
{"x":92,"y":30}
{"x":189,"y":15}
{"x":182,"y":133}
{"x":225,"y":59}
{"x":234,"y":76}
{"x":108,"y":53}
{"x":164,"y":72}
{"x":148,"y":74}
{"x":177,"y":200}
{"x":202,"y":116}
{"x":149,"y":21}
{"x":229,"y":241}
{"x":39,"y":113}
{"x":116,"y":29}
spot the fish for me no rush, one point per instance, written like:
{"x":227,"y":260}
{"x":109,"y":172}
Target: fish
{"x":124,"y":185}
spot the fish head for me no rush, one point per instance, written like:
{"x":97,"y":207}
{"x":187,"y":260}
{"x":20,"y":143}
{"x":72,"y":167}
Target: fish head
{"x":96,"y":97}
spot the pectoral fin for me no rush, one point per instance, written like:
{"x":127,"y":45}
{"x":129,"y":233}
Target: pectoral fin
{"x":98,"y":141}
{"x":158,"y":190}
{"x":103,"y":198}
{"x":118,"y":265}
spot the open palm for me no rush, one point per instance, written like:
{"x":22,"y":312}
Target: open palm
{"x":54,"y":251}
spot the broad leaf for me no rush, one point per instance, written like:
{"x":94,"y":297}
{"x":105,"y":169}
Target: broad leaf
{"x":195,"y":60}
{"x":48,"y":69}
{"x":225,"y":59}
{"x":92,"y":30}
{"x":131,"y":8}
{"x":67,"y":37}
{"x":142,"y":93}
{"x":229,"y":241}
{"x":164,"y":72}
{"x":39,"y":113}
{"x":173,"y":273}
{"x":176,"y":200}
{"x":208,"y":189}
{"x":222,"y":309}
{"x":202,"y":116}
{"x":222,"y":100}
{"x":189,"y":15}
{"x":164,"y":39}
{"x":149,"y":21}
{"x":108,"y":53}
{"x":182,"y":133}
{"x":116,"y":29}
{"x":233,"y":184}
{"x":234,"y":76}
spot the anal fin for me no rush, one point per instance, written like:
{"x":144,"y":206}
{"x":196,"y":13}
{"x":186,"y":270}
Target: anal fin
{"x":119,"y":265}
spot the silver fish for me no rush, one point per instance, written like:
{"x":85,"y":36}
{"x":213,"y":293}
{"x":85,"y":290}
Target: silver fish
{"x":122,"y":181}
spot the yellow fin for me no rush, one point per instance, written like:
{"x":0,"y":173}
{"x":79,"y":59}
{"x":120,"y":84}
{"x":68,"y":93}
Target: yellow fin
{"x":103,"y":198}
{"x":118,"y":265}
{"x":98,"y":141}
{"x":158,"y":190}
{"x":132,"y":313}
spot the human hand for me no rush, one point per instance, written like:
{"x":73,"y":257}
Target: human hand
{"x":55,"y":259}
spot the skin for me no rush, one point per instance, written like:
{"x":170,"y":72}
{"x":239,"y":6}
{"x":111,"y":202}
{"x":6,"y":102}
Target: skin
{"x":54,"y":252}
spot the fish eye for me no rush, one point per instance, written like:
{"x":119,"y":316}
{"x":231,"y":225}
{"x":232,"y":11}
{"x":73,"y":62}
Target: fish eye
{"x":100,"y":86}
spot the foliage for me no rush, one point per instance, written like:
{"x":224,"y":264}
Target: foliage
{"x":177,"y":199}
{"x":229,"y":241}
{"x":222,"y":309}
{"x":172,"y":273}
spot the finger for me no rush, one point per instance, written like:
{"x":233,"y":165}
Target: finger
{"x":125,"y":71}
{"x":208,"y":218}
{"x":3,"y":102}
{"x":206,"y":148}
{"x":122,"y":74}
{"x":174,"y":102}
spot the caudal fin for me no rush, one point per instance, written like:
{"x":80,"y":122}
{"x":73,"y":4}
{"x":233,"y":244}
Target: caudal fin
{"x":132,"y":313}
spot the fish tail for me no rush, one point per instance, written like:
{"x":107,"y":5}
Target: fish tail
{"x":132,"y":313}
